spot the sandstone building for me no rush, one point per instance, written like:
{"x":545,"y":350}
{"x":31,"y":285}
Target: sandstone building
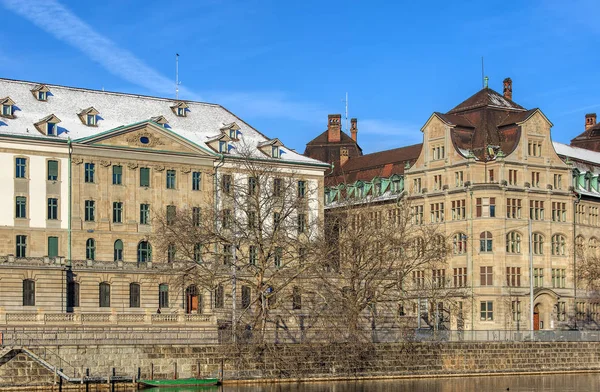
{"x":485,"y":171}
{"x":85,"y":172}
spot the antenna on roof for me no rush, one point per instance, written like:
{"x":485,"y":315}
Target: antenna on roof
{"x":177,"y":82}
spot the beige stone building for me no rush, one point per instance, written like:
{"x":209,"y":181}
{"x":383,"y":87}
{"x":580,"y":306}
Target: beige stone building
{"x":511,"y":202}
{"x":86,"y":173}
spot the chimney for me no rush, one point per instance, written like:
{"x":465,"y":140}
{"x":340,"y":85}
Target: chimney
{"x":353,"y":128}
{"x":334,"y":124}
{"x":590,"y":120}
{"x":507,"y":88}
{"x":343,"y":155}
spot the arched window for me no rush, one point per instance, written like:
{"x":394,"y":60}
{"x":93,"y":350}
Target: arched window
{"x":538,"y":244}
{"x":90,"y":249}
{"x":579,"y":242}
{"x":459,"y":243}
{"x":28,"y":292}
{"x":558,"y":245}
{"x":593,"y":244}
{"x":513,"y":242}
{"x":104,"y":296}
{"x":163,"y":295}
{"x":118,"y":250}
{"x":485,"y":242}
{"x":144,"y":252}
{"x":134,"y":295}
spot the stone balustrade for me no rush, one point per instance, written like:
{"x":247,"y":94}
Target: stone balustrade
{"x":76,"y":319}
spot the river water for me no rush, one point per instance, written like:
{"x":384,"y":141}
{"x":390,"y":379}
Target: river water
{"x":581,"y":382}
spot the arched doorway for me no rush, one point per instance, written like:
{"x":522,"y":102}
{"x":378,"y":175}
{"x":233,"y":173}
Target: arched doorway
{"x":193,"y":300}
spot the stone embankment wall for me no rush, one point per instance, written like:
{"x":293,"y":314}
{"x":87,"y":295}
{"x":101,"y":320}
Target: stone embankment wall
{"x":311,"y":362}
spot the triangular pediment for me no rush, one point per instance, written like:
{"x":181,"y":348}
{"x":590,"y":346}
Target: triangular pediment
{"x":145,"y":135}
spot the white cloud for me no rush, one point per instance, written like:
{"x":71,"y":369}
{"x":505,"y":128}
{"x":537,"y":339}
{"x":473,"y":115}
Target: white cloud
{"x":68,"y":28}
{"x":390,"y":128}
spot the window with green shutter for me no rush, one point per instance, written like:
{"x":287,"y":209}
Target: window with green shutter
{"x":52,"y":246}
{"x":145,"y":176}
{"x":52,"y":170}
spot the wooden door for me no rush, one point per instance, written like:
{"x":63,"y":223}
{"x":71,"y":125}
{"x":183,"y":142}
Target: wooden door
{"x":536,"y":321}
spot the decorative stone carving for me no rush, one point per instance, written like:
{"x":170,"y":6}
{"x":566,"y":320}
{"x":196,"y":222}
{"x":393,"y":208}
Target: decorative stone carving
{"x":104,"y":163}
{"x":144,"y":139}
{"x":186,"y":169}
{"x":159,"y":168}
{"x":77,"y":161}
{"x":132,"y":165}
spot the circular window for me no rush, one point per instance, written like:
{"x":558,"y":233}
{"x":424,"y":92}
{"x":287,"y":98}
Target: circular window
{"x":144,"y":140}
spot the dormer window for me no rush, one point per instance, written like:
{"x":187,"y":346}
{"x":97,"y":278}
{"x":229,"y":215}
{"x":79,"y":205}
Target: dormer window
{"x":223,"y":147}
{"x":89,"y":117}
{"x":275,"y":152}
{"x":40,"y":92}
{"x":48,"y":125}
{"x":7,"y":107}
{"x":233,"y":133}
{"x":271,"y":148}
{"x":160,"y":120}
{"x":180,"y":109}
{"x":231,"y":130}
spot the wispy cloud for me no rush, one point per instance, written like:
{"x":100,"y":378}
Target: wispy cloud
{"x":74,"y":31}
{"x":580,"y":109}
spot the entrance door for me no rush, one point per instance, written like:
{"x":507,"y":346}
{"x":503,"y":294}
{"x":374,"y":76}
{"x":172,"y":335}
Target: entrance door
{"x":192,"y":299}
{"x":536,"y":319}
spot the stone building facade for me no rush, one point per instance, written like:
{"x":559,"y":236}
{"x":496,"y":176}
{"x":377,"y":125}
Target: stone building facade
{"x":505,"y":196}
{"x":85,"y":174}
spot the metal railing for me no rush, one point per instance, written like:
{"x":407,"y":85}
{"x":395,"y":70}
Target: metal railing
{"x":79,"y":319}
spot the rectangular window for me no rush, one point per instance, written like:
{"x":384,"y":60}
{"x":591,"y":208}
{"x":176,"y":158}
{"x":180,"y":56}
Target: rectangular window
{"x":52,"y":246}
{"x":418,"y":215}
{"x":90,"y":210}
{"x":516,"y":311}
{"x":29,"y":292}
{"x":580,"y":213}
{"x":486,"y":207}
{"x":171,"y":179}
{"x":278,"y":256}
{"x":459,"y":210}
{"x":72,"y":295}
{"x":21,"y":207}
{"x":438,"y":278}
{"x":226,"y":184}
{"x":219,"y":297}
{"x":117,"y":212}
{"x":418,"y":279}
{"x":134,"y":295}
{"x":90,"y":172}
{"x":534,"y":148}
{"x":460,"y":277}
{"x":438,"y":152}
{"x":301,"y":223}
{"x":487,"y":310}
{"x":52,"y":170}
{"x":558,"y":181}
{"x":117,"y":175}
{"x":277,"y":187}
{"x":196,"y":181}
{"x":458,"y":179}
{"x":144,"y":214}
{"x":437,"y":182}
{"x":252,"y":255}
{"x":491,"y":175}
{"x":145,"y":177}
{"x":437,"y":212}
{"x":535,"y":179}
{"x":163,"y":295}
{"x":593,"y":216}
{"x":21,"y":248}
{"x":301,"y":189}
{"x":251,"y":215}
{"x":559,"y":212}
{"x":196,"y":216}
{"x":246,"y":297}
{"x":512,"y":177}
{"x":536,"y":209}
{"x":559,"y":277}
{"x":226,"y":219}
{"x":171,"y":214}
{"x":104,"y":296}
{"x":486,"y":276}
{"x":513,"y":208}
{"x":538,"y":277}
{"x":52,"y":208}
{"x":276,"y":219}
{"x":417,"y":185}
{"x":227,"y":254}
{"x":562,"y":311}
{"x":296,"y":298}
{"x":513,"y":276}
{"x":252,"y":186}
{"x":21,"y":167}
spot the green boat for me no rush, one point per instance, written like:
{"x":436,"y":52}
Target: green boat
{"x":180,"y":382}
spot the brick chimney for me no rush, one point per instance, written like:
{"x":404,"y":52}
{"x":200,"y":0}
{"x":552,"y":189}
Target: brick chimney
{"x":334,"y":128}
{"x":343,"y":155}
{"x":353,"y":128}
{"x":590,"y":120}
{"x":507,"y":88}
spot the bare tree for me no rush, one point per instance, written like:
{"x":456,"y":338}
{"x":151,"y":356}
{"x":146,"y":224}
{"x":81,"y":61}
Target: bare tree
{"x":255,"y":237}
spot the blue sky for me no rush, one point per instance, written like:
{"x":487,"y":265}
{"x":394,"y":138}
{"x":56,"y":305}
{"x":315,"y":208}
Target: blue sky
{"x":283,"y":66}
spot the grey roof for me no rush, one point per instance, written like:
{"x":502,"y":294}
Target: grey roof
{"x":202,"y":123}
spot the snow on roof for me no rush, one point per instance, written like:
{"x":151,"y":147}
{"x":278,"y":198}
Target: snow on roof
{"x":201,"y":123}
{"x":577,"y":153}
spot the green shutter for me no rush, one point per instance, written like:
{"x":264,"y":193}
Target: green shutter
{"x":144,"y":176}
{"x":53,"y":170}
{"x":52,"y":246}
